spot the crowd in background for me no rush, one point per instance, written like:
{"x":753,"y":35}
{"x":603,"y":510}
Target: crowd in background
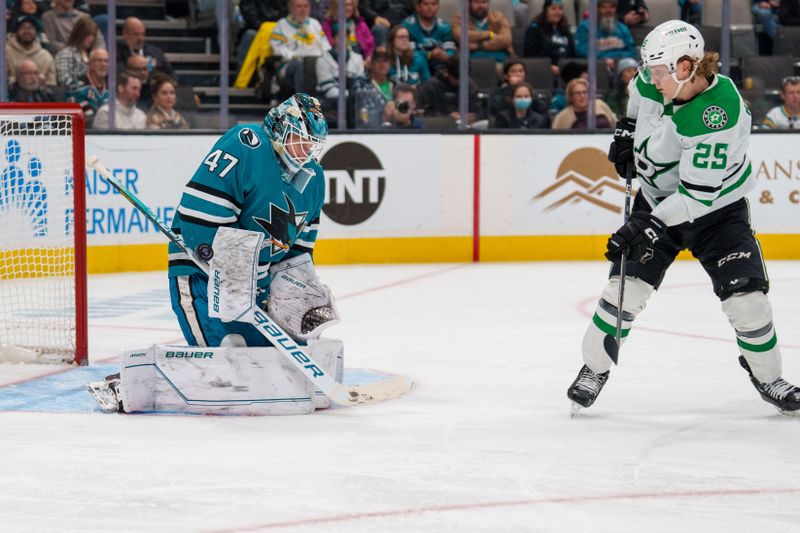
{"x":55,"y":51}
{"x":401,"y":58}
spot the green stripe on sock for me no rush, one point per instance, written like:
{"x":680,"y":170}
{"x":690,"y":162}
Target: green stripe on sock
{"x":770,"y":344}
{"x":608,"y":329}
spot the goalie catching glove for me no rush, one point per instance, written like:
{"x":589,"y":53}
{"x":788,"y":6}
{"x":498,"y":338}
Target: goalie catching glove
{"x":298,"y":301}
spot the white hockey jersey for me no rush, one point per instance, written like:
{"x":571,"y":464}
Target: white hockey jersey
{"x":691,"y":159}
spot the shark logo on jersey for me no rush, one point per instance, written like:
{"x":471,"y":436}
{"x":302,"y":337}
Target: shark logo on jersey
{"x":647,"y":169}
{"x":714,"y":117}
{"x":249,"y":138}
{"x":283,"y":226}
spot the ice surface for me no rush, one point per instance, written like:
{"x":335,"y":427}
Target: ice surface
{"x":678,"y":441}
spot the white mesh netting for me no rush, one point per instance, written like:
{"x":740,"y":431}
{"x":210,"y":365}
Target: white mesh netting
{"x":37,"y":255}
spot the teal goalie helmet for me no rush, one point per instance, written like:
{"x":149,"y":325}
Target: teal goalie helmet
{"x":297,"y":130}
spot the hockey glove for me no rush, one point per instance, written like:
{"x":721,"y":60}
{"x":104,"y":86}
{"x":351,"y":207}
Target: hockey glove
{"x":641,"y":233}
{"x":621,"y":151}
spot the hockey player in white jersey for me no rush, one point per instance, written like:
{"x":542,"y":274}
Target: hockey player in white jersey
{"x":686,"y":132}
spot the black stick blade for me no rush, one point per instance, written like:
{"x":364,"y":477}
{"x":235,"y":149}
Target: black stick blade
{"x":612,"y":348}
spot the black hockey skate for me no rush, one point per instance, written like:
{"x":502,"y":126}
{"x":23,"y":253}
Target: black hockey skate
{"x":586,"y":387}
{"x":106,"y":394}
{"x":780,"y":393}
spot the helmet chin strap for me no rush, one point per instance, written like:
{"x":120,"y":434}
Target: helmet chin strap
{"x":681,"y":83}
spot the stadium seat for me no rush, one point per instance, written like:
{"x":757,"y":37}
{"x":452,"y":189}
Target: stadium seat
{"x":483,"y":72}
{"x":789,"y":40}
{"x":767,"y":72}
{"x":740,"y":13}
{"x":662,"y":11}
{"x":538,"y":72}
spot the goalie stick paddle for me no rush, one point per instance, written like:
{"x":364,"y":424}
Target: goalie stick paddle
{"x":611,"y":344}
{"x":341,"y":394}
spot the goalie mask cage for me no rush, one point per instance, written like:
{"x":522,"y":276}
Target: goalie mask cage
{"x":43,"y":308}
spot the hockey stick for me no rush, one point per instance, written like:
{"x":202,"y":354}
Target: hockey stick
{"x":611,"y":344}
{"x":383,"y":390}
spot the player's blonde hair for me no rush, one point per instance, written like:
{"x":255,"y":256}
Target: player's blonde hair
{"x":708,"y":66}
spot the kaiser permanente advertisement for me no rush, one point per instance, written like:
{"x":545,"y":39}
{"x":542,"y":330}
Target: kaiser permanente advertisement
{"x":411,"y":198}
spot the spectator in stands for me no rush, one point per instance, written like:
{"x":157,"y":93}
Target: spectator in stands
{"x":430,"y":35}
{"x":127,"y":116}
{"x":614,"y":39}
{"x":439,"y":95}
{"x":255,"y":13}
{"x":72,"y":62}
{"x":549,"y":35}
{"x":514,"y":72}
{"x":407,"y":66}
{"x":295,"y":37}
{"x":382,"y":15}
{"x":786,"y":116}
{"x":133,"y":35}
{"x":632,"y":12}
{"x":789,"y":12}
{"x":519,"y":113}
{"x":617,"y":99}
{"x":489,"y":32}
{"x":91,"y":91}
{"x":162,"y":114}
{"x":575,"y":115}
{"x":28,"y":86}
{"x":328,"y":73}
{"x":359,"y":37}
{"x":22,"y":44}
{"x":569,"y":71}
{"x":400,"y":112}
{"x":35,"y":10}
{"x":137,"y":66}
{"x":59,"y":21}
{"x":371,"y":96}
{"x":691,"y":11}
{"x":766,"y":14}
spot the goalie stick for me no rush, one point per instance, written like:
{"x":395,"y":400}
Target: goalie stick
{"x":341,"y":394}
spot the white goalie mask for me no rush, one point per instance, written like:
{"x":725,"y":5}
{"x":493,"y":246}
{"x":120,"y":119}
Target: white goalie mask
{"x":665,"y":46}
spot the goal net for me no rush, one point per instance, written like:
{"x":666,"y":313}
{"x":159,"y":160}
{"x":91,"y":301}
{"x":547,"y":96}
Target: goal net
{"x":42,"y":234}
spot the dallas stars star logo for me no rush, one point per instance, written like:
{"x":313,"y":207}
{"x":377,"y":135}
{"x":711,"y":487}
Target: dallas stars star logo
{"x":647,"y":169}
{"x":283,"y":227}
{"x":714,"y":117}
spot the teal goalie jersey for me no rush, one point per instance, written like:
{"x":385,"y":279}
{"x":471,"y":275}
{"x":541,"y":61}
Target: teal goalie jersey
{"x":691,"y":158}
{"x":239,"y":185}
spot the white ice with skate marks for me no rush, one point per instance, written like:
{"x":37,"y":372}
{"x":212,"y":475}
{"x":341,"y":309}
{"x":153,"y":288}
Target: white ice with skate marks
{"x":678,"y":440}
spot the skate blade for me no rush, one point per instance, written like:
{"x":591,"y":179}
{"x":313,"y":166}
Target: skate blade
{"x":790,"y":414}
{"x":104,"y":396}
{"x":574,"y":409}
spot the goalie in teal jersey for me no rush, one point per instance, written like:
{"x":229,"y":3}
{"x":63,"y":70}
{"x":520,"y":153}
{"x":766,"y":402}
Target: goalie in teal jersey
{"x":264,"y":178}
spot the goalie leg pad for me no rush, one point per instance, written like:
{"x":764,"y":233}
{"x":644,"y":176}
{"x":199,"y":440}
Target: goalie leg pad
{"x":329,"y":353}
{"x":750,"y":314}
{"x":230,"y":381}
{"x":604,"y":321}
{"x":298,"y":301}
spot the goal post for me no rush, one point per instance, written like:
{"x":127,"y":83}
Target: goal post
{"x":43,"y":302}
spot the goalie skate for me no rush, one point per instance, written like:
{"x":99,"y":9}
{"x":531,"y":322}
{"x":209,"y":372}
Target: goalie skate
{"x":106,"y":394}
{"x":586,"y":387}
{"x":780,"y":393}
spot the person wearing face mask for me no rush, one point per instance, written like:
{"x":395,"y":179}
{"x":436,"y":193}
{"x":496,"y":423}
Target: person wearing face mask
{"x":685,"y":138}
{"x":520,"y":113}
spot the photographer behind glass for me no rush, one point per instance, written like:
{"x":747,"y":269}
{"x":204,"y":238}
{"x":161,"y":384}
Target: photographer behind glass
{"x":400,"y":112}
